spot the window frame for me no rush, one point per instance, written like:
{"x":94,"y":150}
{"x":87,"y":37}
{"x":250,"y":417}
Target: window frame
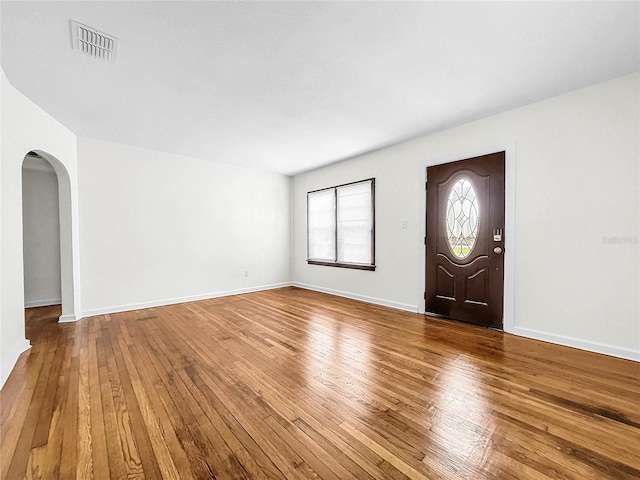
{"x":336,"y":263}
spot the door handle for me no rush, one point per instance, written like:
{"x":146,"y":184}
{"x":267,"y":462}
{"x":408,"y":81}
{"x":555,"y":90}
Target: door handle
{"x":497,"y":250}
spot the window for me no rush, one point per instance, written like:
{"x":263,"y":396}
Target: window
{"x":341,"y":227}
{"x":462,"y":219}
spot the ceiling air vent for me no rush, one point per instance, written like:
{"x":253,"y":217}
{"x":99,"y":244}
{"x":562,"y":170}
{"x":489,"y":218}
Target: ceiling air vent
{"x":93,"y":42}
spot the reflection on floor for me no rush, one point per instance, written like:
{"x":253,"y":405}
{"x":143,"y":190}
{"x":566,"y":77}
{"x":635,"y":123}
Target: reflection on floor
{"x":289,"y":383}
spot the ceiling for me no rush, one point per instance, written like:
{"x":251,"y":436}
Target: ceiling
{"x":291,"y":86}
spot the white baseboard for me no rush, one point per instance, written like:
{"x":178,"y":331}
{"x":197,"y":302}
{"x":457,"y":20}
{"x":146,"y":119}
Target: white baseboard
{"x":42,"y":303}
{"x":56,"y":301}
{"x":173,"y":301}
{"x":363,"y":298}
{"x":596,"y":347}
{"x":68,"y":318}
{"x":10,"y":358}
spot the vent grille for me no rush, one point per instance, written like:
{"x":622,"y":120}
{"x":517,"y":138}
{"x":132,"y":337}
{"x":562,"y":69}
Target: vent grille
{"x":94,"y":43}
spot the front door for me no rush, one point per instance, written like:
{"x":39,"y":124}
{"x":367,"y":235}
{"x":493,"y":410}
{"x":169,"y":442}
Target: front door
{"x":465,"y":240}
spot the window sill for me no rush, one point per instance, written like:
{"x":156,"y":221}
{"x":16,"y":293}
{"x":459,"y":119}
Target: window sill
{"x":353,"y":266}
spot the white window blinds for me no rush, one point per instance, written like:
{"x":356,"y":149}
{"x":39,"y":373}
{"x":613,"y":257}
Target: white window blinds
{"x":322,"y":225}
{"x":355,"y":223}
{"x":340,"y":224}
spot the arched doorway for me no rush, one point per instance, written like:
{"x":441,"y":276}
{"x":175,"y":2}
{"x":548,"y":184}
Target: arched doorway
{"x":64,"y":241}
{"x":40,"y":233}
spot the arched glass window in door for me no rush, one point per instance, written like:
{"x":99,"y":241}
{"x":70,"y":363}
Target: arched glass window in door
{"x":462,"y":218}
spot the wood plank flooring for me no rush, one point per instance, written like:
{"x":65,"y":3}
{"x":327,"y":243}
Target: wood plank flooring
{"x":288,"y":384}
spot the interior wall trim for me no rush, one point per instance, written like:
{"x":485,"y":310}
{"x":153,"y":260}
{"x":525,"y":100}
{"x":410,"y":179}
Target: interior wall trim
{"x":588,"y":345}
{"x":364,"y":298}
{"x":69,"y":318}
{"x":173,"y":301}
{"x":42,"y":303}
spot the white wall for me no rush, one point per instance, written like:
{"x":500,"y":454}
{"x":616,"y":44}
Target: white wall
{"x":159,"y":228}
{"x":41,"y":233}
{"x":25,"y":127}
{"x":576,"y":182}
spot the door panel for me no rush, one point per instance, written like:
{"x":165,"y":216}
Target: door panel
{"x":465,"y":207}
{"x":477,"y":287}
{"x":446,"y":284}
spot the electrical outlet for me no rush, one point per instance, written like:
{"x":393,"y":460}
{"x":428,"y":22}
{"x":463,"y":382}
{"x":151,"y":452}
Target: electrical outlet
{"x":246,"y":273}
{"x":404,"y":224}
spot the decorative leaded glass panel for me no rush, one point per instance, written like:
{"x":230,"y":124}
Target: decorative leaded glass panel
{"x":462,"y":218}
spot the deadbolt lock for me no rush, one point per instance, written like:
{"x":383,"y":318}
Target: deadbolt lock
{"x":497,"y":250}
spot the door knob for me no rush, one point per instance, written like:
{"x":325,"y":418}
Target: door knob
{"x":497,"y":250}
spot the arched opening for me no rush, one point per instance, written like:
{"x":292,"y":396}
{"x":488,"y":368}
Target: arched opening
{"x":40,"y":240}
{"x":48,"y":262}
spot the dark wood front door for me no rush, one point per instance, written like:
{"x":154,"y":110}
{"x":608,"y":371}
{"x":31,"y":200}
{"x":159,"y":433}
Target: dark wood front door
{"x":465,"y":240}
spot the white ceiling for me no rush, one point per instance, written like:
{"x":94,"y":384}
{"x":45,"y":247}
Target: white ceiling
{"x":291,"y":86}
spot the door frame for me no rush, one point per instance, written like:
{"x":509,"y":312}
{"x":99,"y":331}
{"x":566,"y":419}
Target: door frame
{"x":509,"y":148}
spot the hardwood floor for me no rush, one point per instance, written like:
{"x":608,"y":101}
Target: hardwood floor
{"x":290,"y":383}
